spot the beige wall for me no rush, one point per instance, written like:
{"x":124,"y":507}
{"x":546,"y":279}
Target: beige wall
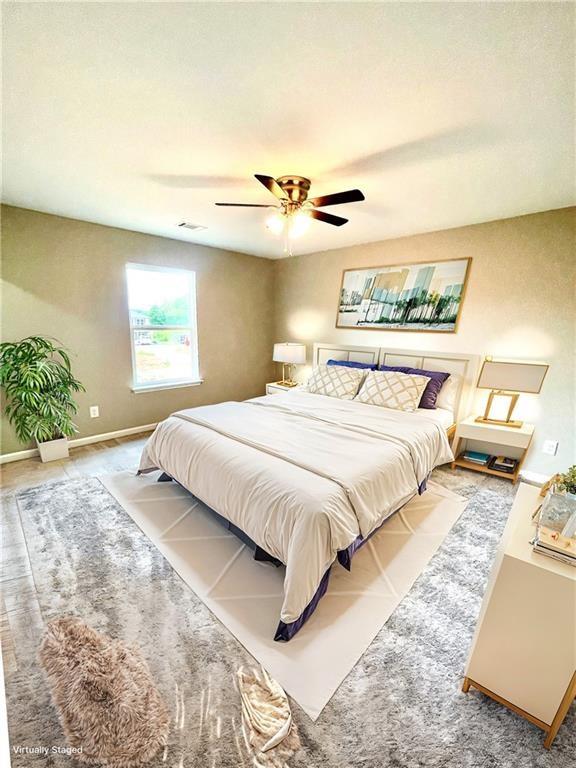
{"x":65,"y":278}
{"x":520,"y":303}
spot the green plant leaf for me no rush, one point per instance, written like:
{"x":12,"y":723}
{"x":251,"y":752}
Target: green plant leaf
{"x":36,"y":376}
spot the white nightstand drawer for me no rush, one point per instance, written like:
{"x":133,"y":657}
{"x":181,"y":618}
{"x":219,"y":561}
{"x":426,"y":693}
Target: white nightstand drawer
{"x":494,"y":433}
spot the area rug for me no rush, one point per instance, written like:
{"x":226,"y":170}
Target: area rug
{"x":246,"y":595}
{"x":400,"y":707}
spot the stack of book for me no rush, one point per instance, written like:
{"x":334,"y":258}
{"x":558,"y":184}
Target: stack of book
{"x":556,"y":529}
{"x":498,"y":463}
{"x":476,"y":457}
{"x":503,"y":464}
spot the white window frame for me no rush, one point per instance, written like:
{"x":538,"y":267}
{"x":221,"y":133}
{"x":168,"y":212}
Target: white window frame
{"x":191,"y":329}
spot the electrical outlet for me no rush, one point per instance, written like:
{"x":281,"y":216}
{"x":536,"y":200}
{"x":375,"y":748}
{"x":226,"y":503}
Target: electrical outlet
{"x":94,"y":411}
{"x":550,"y":447}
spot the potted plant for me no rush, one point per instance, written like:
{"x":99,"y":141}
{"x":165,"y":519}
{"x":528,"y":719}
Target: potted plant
{"x":559,"y":507}
{"x":38,"y":382}
{"x":566,"y":482}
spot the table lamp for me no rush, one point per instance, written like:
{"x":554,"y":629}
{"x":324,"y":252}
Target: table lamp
{"x":507,"y":379}
{"x":289,"y":354}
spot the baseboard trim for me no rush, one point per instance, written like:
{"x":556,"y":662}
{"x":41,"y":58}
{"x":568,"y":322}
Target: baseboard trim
{"x":111,"y":435}
{"x":31,"y":452}
{"x":533,"y":478}
{"x":18,"y":455}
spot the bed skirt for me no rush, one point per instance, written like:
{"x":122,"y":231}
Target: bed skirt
{"x":345,"y":556}
{"x":285,"y":632}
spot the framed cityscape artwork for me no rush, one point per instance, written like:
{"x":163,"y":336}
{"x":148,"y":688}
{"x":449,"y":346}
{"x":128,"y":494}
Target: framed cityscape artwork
{"x":422,"y":296}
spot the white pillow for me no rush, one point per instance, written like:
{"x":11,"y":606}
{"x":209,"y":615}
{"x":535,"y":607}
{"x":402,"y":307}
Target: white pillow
{"x":391,"y":389}
{"x":335,"y":381}
{"x":447,"y":395}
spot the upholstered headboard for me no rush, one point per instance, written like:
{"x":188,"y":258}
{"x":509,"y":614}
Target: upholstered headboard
{"x":463,"y":365}
{"x":325,"y":352}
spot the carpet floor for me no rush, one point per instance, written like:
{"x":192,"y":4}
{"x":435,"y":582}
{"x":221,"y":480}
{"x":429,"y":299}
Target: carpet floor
{"x":400,"y":706}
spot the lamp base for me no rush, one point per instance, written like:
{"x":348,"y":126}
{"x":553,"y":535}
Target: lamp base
{"x":507,"y":422}
{"x":515,"y":424}
{"x":287,"y":383}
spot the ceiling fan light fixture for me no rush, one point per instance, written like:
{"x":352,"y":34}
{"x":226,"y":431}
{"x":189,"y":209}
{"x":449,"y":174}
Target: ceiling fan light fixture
{"x":276,"y":223}
{"x":299,"y":223}
{"x":290,"y":224}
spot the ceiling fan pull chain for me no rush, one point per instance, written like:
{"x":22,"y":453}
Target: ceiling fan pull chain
{"x":287,"y":238}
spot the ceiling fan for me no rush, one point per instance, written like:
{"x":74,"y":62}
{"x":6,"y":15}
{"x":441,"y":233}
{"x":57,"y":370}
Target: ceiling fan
{"x":292,"y":192}
{"x":292,"y":215}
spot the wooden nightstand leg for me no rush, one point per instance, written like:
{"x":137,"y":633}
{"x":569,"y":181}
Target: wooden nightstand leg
{"x":520,"y":462}
{"x":569,"y":697}
{"x":455,"y":448}
{"x":466,"y":685}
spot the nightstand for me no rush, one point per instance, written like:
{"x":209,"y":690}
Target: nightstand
{"x":499,"y":438}
{"x":275,"y":388}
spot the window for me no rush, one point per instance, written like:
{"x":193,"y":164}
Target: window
{"x":162,"y":309}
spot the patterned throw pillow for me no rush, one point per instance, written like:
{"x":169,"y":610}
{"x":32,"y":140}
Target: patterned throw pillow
{"x":335,"y":381}
{"x":433,"y":388}
{"x":391,"y":389}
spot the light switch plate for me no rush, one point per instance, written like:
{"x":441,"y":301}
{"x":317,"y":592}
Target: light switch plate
{"x":550,"y":447}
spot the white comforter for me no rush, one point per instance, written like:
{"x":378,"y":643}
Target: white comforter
{"x":303,"y":475}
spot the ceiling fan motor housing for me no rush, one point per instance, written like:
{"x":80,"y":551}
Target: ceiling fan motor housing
{"x":296,"y":188}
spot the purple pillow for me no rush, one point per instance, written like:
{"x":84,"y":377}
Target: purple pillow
{"x":397,"y":368}
{"x":351,"y":364}
{"x":430,"y":394}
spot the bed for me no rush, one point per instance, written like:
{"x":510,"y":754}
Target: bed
{"x":306,"y":477}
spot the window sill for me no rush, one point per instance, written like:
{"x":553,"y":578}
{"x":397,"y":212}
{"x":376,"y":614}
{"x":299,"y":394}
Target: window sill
{"x":158,"y":387}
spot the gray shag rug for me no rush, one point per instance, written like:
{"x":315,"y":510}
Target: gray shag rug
{"x":400,"y":707}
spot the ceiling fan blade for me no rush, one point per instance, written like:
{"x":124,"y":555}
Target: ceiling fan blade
{"x":244,"y":205}
{"x":271,"y":185}
{"x":328,"y":218}
{"x":350,"y":196}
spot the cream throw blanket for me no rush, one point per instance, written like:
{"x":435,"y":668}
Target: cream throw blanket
{"x":265,"y":709}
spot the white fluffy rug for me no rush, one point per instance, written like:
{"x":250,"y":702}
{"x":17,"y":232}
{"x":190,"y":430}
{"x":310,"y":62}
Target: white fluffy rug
{"x":246,"y":595}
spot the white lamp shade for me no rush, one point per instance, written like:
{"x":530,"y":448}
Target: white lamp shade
{"x":512,"y":376}
{"x":295,"y":354}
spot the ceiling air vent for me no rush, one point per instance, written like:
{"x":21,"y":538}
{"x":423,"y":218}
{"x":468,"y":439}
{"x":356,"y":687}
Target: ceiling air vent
{"x":187,"y":225}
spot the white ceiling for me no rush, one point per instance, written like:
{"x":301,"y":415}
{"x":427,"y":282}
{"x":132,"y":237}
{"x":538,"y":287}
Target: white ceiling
{"x":142,"y":115}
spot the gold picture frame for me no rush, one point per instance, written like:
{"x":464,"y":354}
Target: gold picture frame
{"x":397,"y":297}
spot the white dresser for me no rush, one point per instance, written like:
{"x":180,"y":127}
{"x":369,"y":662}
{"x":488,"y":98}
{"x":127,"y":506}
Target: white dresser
{"x":524,"y":649}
